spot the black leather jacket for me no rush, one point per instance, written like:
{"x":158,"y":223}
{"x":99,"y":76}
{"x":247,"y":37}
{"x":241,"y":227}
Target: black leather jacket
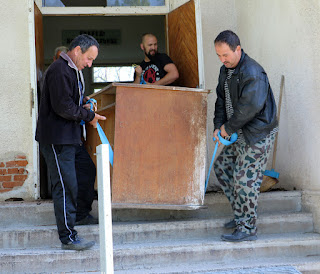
{"x":252,"y":100}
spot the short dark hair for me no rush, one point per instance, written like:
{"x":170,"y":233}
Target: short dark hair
{"x":228,"y":37}
{"x":85,"y":41}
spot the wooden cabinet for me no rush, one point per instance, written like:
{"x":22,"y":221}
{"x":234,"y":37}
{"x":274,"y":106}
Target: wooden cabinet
{"x":158,"y":135}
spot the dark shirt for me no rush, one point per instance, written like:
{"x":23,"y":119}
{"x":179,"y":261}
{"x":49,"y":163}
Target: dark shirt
{"x":154,"y":70}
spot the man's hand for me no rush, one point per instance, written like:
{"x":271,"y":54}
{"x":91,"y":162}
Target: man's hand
{"x":88,"y":106}
{"x":223,"y":132}
{"x":138,"y":71}
{"x":95,"y":120}
{"x":215,"y":135}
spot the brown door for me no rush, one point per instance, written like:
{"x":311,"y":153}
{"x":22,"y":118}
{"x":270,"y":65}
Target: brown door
{"x":38,"y":30}
{"x":38,"y":27}
{"x":182,"y":39}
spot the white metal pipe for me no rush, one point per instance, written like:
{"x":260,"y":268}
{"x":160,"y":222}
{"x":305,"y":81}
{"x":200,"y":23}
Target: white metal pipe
{"x":105,"y":213}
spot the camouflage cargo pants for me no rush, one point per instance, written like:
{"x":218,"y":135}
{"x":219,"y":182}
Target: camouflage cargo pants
{"x":239,"y":169}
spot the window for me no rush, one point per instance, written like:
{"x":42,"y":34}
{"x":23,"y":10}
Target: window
{"x":135,"y":2}
{"x":111,"y":74}
{"x":101,"y":3}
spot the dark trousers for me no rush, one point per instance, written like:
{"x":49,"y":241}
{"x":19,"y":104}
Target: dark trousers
{"x":72,"y":175}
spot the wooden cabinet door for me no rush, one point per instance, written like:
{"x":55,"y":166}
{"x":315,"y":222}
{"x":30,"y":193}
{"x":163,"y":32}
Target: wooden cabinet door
{"x":185,"y":43}
{"x":38,"y":29}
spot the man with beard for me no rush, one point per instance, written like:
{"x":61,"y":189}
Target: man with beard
{"x":156,"y":68}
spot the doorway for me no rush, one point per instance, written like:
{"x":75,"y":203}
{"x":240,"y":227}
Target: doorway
{"x":176,"y":36}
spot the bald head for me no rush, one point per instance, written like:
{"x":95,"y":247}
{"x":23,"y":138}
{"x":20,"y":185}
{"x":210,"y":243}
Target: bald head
{"x":147,"y":36}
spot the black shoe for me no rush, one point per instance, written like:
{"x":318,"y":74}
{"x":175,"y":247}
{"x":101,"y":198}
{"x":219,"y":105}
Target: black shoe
{"x":78,"y":244}
{"x":239,"y":236}
{"x":231,"y":224}
{"x":88,"y":220}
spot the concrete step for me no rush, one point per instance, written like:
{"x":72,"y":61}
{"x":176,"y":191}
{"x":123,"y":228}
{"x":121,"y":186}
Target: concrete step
{"x":150,"y":256}
{"x":41,"y":212}
{"x":283,"y":265}
{"x":135,"y":232}
{"x":217,"y":206}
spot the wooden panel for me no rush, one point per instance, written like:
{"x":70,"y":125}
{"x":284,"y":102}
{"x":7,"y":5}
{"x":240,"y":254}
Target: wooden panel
{"x":182,"y":37}
{"x":160,"y":146}
{"x":39,"y":42}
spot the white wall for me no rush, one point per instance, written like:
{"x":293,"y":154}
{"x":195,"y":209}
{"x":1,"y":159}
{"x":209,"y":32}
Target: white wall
{"x":288,"y":44}
{"x":216,"y":16}
{"x":16,"y":127}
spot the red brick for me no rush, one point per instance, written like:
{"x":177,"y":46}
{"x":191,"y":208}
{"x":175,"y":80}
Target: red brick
{"x":22,"y":170}
{"x":5,"y":190}
{"x":20,"y":177}
{"x":21,"y":157}
{"x":2,"y":164}
{"x":17,"y":163}
{"x":3,"y":171}
{"x":13,"y":170}
{"x":5,"y":178}
{"x":12,"y":184}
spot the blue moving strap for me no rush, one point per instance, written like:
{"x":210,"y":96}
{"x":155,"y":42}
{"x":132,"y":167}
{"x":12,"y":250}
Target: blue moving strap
{"x":225,"y":142}
{"x":142,"y":81}
{"x":104,"y":140}
{"x":103,"y":137}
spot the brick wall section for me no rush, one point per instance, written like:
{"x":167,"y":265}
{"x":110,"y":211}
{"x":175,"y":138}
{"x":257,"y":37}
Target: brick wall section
{"x":13,"y":173}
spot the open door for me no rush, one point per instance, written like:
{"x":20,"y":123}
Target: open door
{"x":38,"y":30}
{"x":185,"y":44}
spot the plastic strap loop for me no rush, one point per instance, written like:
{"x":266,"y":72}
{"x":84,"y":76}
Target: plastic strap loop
{"x":103,"y":138}
{"x":225,"y":142}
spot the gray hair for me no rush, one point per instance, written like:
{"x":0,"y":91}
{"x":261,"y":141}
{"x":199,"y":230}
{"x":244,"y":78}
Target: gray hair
{"x":85,"y":41}
{"x":61,"y":49}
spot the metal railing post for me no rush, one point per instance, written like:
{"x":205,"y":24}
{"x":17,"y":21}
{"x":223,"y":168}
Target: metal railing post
{"x":105,"y":213}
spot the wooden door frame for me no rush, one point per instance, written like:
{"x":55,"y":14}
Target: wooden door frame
{"x":33,"y":97}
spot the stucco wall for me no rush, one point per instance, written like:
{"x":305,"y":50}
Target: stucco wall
{"x":16,"y":128}
{"x":216,"y":16}
{"x":288,"y":44}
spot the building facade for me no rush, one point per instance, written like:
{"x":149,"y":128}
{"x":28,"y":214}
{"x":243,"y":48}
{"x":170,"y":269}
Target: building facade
{"x":281,"y":35}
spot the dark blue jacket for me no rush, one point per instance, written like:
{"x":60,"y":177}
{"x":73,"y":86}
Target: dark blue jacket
{"x":60,"y":109}
{"x":252,"y":100}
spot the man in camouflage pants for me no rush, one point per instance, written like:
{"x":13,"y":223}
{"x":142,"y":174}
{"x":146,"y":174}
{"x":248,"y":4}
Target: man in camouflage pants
{"x":245,"y":105}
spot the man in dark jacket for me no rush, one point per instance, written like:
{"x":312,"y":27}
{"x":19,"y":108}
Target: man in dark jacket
{"x":245,"y":105}
{"x":59,"y":133}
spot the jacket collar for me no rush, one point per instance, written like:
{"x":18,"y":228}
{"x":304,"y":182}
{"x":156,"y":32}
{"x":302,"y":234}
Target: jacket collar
{"x":72,"y":65}
{"x":69,"y":60}
{"x":237,"y":68}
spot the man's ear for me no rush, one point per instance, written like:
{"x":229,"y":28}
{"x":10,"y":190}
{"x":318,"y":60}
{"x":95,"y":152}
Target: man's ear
{"x":238,"y":48}
{"x":77,"y":50}
{"x":141,"y":46}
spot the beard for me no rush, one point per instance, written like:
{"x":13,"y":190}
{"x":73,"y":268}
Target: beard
{"x":151,"y":54}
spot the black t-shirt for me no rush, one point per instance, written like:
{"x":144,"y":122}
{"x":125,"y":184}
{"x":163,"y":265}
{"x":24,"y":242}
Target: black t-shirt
{"x":153,"y":71}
